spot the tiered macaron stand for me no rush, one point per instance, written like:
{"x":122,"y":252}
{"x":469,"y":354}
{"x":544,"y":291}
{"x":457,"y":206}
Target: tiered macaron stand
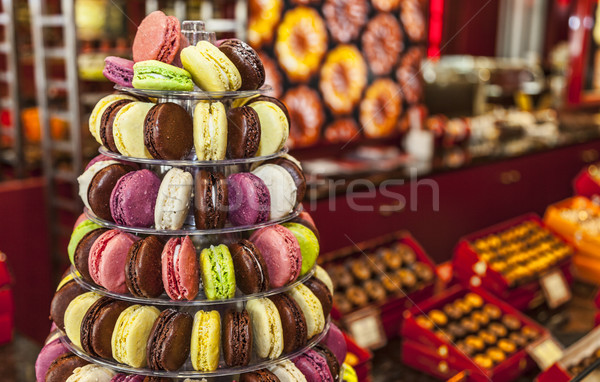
{"x":201,"y":239}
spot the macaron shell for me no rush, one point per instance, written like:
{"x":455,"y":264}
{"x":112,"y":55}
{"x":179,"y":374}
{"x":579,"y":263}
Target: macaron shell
{"x":128,"y":129}
{"x":244,"y":132}
{"x":180,"y":269}
{"x":156,"y":75}
{"x":118,"y":70}
{"x":210,"y":200}
{"x":62,"y":368}
{"x":237,"y":338}
{"x":311,"y":307}
{"x":335,"y":341}
{"x":79,"y":232}
{"x":106,"y":124}
{"x":48,"y":354}
{"x":251,"y":274}
{"x":321,"y":291}
{"x":309,"y":245}
{"x":91,"y":372}
{"x":210,"y":130}
{"x":61,"y":300}
{"x":158,"y":38}
{"x":286,"y":371}
{"x":261,"y":375}
{"x":85,"y":179}
{"x":133,"y":199}
{"x":97,"y":326}
{"x":107,"y":259}
{"x":74,"y":315}
{"x":169,"y":341}
{"x":211,"y":70}
{"x":96,"y":115}
{"x":292,"y":322}
{"x":206,"y":338}
{"x":249,"y":199}
{"x":275,"y":127}
{"x":322,"y":275}
{"x":143,"y":274}
{"x":281,"y":252}
{"x":247,"y":61}
{"x":282,"y":189}
{"x":173,"y":201}
{"x":82,"y":253}
{"x":218,"y":275}
{"x":130,"y":336}
{"x":313,"y":366}
{"x":266,"y":327}
{"x":101,"y":187}
{"x":168,"y":131}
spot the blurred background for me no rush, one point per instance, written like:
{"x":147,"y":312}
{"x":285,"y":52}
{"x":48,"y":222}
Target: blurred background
{"x":496,"y":101}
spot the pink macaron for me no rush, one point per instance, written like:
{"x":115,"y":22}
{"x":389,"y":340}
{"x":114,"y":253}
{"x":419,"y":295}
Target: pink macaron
{"x":133,"y":199}
{"x":107,"y":259}
{"x":48,"y":354}
{"x":158,"y":38}
{"x":281,"y":252}
{"x":181,"y":278}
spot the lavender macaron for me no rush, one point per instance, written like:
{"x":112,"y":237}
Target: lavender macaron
{"x":249,"y":199}
{"x":133,"y":199}
{"x":313,"y":366}
{"x":118,"y":70}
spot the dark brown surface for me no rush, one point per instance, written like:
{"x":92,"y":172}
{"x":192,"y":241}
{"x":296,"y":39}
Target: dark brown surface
{"x":210,"y":214}
{"x":101,"y":187}
{"x":322,"y":292}
{"x":63,"y":367}
{"x":246,"y":61}
{"x":169,"y":341}
{"x":61,"y":300}
{"x":143,"y":268}
{"x":332,"y":362}
{"x":168,"y":131}
{"x":82,"y":253}
{"x":98,"y":324}
{"x":251,"y":275}
{"x":295,"y":331}
{"x":106,"y":124}
{"x":262,"y":375}
{"x":237,"y":338}
{"x":243,"y":132}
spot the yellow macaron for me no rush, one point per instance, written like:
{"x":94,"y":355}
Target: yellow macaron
{"x":130,"y":335}
{"x":274,"y":125}
{"x":210,"y":68}
{"x":96,"y":116}
{"x":210,"y":130}
{"x":128,"y":129}
{"x":77,"y":308}
{"x":311,"y":307}
{"x":206,"y":338}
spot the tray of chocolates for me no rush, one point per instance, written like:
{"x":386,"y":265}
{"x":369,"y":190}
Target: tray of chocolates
{"x":468,"y":329}
{"x":580,"y":358}
{"x":385,"y":274}
{"x":509,"y":259}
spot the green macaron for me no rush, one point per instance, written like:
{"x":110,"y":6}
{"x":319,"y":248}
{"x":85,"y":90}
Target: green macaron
{"x":218,"y":274}
{"x":156,"y":75}
{"x":309,"y":245}
{"x":79,"y":232}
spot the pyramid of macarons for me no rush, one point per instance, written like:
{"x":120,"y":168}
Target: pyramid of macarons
{"x":150,"y":267}
{"x":122,"y":193}
{"x":163,"y":60}
{"x":159,"y":338}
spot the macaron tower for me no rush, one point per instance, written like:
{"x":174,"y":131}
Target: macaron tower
{"x":193,"y":257}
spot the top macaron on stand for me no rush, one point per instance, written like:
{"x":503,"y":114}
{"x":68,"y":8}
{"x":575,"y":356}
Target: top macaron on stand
{"x":171,"y":220}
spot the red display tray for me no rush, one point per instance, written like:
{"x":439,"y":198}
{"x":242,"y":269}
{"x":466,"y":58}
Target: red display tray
{"x":571,"y":356}
{"x":473,"y":272}
{"x":584,"y":183}
{"x":434,"y":350}
{"x":390,"y":311}
{"x":364,"y":357}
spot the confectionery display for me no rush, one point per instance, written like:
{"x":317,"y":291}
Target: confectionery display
{"x":193,"y":257}
{"x":365,"y":56}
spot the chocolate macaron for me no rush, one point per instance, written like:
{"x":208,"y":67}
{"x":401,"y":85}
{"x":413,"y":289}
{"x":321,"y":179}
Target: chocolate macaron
{"x":246,"y":60}
{"x":82,"y":253}
{"x":320,"y":289}
{"x":243,"y":132}
{"x":168,"y":131}
{"x":62,"y":367}
{"x":211,"y":200}
{"x":101,"y":187}
{"x":251,"y":275}
{"x":261,"y":375}
{"x":143,"y":268}
{"x":169,"y":341}
{"x":97,"y":326}
{"x":297,"y":175}
{"x":237,"y":338}
{"x":61,"y":300}
{"x":293,"y":322}
{"x":106,"y":124}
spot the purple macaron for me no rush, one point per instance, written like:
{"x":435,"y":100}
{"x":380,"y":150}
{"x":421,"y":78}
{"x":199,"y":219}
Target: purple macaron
{"x":313,"y":366}
{"x":249,"y":199}
{"x":48,"y":354}
{"x":335,"y":341}
{"x":127,"y":378}
{"x":118,"y":70}
{"x":133,"y":199}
